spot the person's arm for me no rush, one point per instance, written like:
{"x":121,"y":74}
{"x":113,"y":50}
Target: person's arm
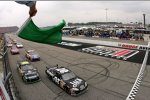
{"x":32,"y":5}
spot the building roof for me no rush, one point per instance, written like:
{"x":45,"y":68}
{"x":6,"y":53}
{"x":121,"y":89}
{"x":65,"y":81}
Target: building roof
{"x":8,"y":29}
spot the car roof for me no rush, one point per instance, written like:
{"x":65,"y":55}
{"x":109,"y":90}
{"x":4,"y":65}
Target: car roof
{"x":30,"y":51}
{"x":24,"y":63}
{"x":62,"y":70}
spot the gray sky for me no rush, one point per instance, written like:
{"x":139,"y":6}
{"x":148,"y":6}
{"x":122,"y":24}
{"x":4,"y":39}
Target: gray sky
{"x":52,"y":12}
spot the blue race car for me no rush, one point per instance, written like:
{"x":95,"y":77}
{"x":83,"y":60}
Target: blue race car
{"x":32,"y":55}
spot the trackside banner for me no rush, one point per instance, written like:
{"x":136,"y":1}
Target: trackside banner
{"x":133,"y":46}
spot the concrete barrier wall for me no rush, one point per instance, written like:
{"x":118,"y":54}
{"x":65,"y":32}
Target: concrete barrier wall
{"x":108,"y":43}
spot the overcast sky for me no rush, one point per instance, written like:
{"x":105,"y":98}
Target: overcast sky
{"x":52,"y":12}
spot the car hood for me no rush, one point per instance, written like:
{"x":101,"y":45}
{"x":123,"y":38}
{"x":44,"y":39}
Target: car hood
{"x":15,"y":50}
{"x":35,"y":55}
{"x":75,"y":82}
{"x":30,"y":72}
{"x":19,"y":45}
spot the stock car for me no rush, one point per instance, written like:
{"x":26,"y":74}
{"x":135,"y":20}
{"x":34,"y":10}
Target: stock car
{"x":14,"y":50}
{"x":67,"y":80}
{"x":14,"y":41}
{"x":27,"y":72}
{"x":19,"y":45}
{"x":9,"y":44}
{"x":32,"y":55}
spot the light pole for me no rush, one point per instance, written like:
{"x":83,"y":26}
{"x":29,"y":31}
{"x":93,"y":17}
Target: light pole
{"x":144,"y":19}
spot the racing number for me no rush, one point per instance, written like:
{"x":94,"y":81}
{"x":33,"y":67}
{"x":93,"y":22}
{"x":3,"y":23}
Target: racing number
{"x":76,"y":82}
{"x":57,"y":80}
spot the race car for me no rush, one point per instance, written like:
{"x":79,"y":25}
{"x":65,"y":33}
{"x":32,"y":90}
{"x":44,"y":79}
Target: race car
{"x":27,"y":72}
{"x":9,"y":44}
{"x":32,"y":55}
{"x":67,"y":80}
{"x":14,"y":41}
{"x":14,"y":50}
{"x":19,"y":45}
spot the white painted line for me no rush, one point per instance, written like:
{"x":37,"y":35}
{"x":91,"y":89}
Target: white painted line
{"x":139,"y":77}
{"x":125,"y":58}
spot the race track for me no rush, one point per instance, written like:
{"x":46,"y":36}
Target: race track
{"x":108,"y":79}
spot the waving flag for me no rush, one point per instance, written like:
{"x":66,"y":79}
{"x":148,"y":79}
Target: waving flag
{"x":48,"y":35}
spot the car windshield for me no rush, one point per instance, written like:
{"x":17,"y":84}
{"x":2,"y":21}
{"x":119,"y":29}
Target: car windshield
{"x":68,"y":76}
{"x":26,"y":67}
{"x":33,"y":53}
{"x":31,"y":74}
{"x":13,"y":47}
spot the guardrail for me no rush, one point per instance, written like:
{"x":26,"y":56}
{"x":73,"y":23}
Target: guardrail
{"x":135,"y":88}
{"x":8,"y":79}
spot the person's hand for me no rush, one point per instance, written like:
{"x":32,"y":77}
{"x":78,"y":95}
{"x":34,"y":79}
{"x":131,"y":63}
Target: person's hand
{"x":33,"y":10}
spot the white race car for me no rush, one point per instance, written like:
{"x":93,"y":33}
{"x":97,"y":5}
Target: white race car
{"x":19,"y":45}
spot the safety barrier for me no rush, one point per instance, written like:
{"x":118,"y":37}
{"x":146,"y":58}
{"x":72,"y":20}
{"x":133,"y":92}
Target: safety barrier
{"x":8,"y":82}
{"x":135,"y":88}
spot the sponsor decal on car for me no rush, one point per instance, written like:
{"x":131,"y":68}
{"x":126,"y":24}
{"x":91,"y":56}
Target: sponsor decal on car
{"x":62,"y":70}
{"x":76,"y":82}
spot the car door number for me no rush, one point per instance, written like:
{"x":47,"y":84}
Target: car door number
{"x":57,"y":80}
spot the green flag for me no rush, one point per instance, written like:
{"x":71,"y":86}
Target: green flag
{"x":48,"y":35}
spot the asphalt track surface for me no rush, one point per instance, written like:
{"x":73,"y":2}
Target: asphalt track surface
{"x":108,"y":79}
